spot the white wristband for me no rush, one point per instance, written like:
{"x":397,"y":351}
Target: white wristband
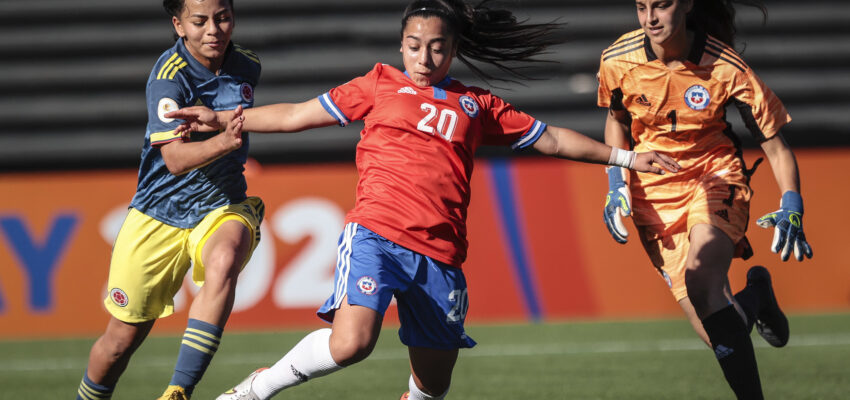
{"x":622,"y":158}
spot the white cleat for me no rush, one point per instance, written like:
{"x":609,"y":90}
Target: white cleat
{"x":243,"y":390}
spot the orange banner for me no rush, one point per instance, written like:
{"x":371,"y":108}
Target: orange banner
{"x":538,"y":247}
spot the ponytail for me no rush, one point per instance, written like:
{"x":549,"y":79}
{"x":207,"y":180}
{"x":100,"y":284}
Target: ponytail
{"x":488,"y":35}
{"x":717,"y":17}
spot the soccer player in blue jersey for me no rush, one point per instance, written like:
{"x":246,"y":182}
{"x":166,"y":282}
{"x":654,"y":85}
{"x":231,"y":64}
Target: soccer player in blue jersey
{"x":190,"y":206}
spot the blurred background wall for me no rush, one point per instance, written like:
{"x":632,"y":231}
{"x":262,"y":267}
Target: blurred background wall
{"x":72,"y":77}
{"x":73,"y":74}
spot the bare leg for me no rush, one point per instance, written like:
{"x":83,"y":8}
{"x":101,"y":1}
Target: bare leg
{"x":696,"y":323}
{"x":706,"y":279}
{"x":707,"y":266}
{"x":112,"y":351}
{"x":354,"y":333}
{"x":223,"y":255}
{"x":431,"y":369}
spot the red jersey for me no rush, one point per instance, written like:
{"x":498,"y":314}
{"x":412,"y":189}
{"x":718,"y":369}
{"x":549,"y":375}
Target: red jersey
{"x":415,"y":154}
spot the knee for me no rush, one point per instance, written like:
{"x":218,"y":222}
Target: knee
{"x":115,"y":346}
{"x":698,"y":282}
{"x":436,"y":389}
{"x":222,"y":265}
{"x":347,"y":349}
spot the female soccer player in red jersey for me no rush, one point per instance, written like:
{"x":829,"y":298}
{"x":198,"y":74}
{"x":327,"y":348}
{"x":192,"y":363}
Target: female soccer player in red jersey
{"x":667,"y":86}
{"x":406,"y":236}
{"x":190,"y":206}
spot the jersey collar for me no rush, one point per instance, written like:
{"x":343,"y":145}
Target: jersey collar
{"x":439,"y":87}
{"x":195,"y":67}
{"x":697,"y":48}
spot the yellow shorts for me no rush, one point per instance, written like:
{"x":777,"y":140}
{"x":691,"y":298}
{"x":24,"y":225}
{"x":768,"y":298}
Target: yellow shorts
{"x":726,"y":207}
{"x":150,"y":259}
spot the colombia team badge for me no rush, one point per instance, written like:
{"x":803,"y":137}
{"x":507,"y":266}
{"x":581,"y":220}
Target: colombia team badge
{"x":247,"y":92}
{"x":119,"y":297}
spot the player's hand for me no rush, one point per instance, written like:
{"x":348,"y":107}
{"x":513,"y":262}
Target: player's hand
{"x":788,"y":227}
{"x":617,"y":204}
{"x":231,"y":137}
{"x":197,"y":119}
{"x":645,"y":162}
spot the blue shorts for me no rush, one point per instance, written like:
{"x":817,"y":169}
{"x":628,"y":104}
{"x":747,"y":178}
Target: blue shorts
{"x":431,"y":296}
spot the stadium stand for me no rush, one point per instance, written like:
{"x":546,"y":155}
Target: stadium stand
{"x":73,"y":73}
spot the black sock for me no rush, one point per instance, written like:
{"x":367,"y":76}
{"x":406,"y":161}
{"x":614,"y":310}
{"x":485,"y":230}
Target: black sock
{"x":734,"y":350}
{"x":748,"y":299}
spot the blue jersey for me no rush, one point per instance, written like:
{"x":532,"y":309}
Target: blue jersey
{"x":178,"y":80}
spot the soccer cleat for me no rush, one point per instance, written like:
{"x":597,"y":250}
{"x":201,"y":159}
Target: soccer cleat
{"x":243,"y":390}
{"x":771,"y":322}
{"x":405,"y":396}
{"x":174,"y":392}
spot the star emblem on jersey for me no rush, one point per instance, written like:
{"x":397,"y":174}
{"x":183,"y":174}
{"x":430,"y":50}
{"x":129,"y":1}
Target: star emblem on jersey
{"x":119,"y":297}
{"x":247,"y":92}
{"x":697,"y":97}
{"x":367,"y":285}
{"x":406,"y":89}
{"x":469,"y":106}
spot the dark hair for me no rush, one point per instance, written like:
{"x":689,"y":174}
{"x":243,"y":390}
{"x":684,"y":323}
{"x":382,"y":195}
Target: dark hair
{"x":491,"y":36}
{"x":717,"y":17}
{"x":175,"y":7}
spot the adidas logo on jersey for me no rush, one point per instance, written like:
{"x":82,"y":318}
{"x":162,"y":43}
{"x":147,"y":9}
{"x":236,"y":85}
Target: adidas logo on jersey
{"x":722,"y":214}
{"x":642,"y":100}
{"x":722,"y":351}
{"x":407,"y":89}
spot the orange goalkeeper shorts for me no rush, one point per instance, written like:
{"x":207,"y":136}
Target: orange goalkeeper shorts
{"x":724,"y":206}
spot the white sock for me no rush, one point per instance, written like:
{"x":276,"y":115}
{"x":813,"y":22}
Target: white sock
{"x":310,"y":358}
{"x":417,"y":394}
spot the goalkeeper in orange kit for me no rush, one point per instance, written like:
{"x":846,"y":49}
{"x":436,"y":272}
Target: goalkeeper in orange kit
{"x":667,"y":86}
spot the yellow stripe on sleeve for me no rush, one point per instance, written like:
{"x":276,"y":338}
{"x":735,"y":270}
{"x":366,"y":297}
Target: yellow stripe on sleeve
{"x":165,"y":72}
{"x":163,"y":137}
{"x":251,"y":56}
{"x":174,"y":71}
{"x":166,"y":65}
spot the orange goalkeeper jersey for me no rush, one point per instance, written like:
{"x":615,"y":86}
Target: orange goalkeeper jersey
{"x":681,"y":112}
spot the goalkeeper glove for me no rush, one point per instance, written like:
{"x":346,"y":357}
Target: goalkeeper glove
{"x":617,"y":203}
{"x":788,"y":227}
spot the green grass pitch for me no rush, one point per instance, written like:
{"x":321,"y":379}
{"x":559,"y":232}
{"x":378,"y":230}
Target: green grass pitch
{"x":572,"y":360}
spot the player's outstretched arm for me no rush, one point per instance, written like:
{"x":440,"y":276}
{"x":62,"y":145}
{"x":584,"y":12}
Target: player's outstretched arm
{"x":201,"y":119}
{"x":569,"y":144}
{"x":282,"y":117}
{"x":788,"y":220}
{"x":181,"y":157}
